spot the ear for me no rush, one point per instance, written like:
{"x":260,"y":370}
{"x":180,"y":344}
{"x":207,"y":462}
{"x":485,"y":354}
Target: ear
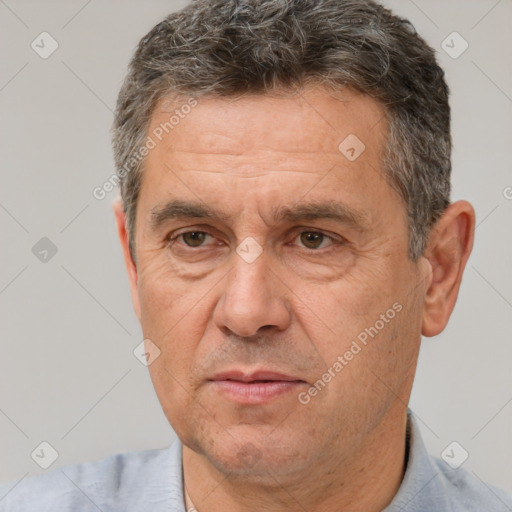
{"x":128,"y":260}
{"x":450,"y":245}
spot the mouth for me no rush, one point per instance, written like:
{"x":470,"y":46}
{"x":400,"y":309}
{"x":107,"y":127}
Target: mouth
{"x":254,"y":387}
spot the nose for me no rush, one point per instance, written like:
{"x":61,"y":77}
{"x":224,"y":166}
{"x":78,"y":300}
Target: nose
{"x":253,"y":298}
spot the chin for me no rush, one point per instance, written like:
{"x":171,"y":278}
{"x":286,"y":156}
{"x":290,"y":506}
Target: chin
{"x":256,"y":452}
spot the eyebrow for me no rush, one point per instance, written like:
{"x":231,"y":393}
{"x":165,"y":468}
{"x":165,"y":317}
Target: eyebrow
{"x":301,"y":211}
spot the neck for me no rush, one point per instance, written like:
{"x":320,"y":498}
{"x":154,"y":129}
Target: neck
{"x":367,"y":480}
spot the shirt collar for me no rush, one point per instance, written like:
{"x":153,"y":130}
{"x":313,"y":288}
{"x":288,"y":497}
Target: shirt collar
{"x":421,"y":489}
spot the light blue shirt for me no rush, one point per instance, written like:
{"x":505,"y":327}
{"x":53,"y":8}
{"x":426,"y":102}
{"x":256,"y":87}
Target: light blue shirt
{"x":152,"y":481}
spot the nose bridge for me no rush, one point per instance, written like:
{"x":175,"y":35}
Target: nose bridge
{"x":250,"y":274}
{"x":252,"y":297}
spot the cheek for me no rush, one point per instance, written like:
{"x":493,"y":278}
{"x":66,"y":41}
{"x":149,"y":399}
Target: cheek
{"x":174,"y":313}
{"x":165,"y":299}
{"x":341,"y":309}
{"x":371,"y":318}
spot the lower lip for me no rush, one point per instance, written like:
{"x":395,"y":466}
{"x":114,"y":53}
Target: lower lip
{"x":255,"y":392}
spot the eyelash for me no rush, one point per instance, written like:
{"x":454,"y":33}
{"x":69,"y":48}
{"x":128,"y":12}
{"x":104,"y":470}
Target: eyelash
{"x":171,"y":239}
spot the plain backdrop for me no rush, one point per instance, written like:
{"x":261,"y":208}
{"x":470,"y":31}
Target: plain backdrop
{"x":68,"y":373}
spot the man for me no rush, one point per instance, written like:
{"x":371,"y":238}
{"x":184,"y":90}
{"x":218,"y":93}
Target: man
{"x":288,"y":235}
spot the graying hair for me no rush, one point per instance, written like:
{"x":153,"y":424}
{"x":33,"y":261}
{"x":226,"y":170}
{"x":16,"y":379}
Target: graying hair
{"x":230,"y":47}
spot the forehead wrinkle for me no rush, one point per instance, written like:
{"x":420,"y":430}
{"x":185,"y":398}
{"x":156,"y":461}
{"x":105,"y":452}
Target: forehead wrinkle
{"x":250,"y":174}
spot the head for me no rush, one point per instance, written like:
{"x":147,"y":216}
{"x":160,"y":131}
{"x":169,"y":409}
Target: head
{"x":285,"y":178}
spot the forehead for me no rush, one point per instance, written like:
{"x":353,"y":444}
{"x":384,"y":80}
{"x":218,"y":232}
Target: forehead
{"x":303,"y":121}
{"x":257,"y":152}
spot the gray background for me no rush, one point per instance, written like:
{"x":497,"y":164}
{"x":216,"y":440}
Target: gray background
{"x":69,"y":376}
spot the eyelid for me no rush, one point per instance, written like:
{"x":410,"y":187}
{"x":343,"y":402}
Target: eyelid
{"x":209,"y":230}
{"x":308,"y":229}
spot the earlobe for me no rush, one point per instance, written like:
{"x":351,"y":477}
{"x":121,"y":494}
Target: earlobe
{"x":131,"y":267}
{"x":450,"y":245}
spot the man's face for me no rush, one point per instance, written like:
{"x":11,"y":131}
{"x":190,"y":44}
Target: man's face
{"x":269,"y":284}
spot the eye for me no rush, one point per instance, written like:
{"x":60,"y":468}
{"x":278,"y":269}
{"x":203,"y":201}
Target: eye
{"x":191,"y":238}
{"x":314,"y":239}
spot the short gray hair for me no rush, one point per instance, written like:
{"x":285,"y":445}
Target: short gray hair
{"x":231,"y":47}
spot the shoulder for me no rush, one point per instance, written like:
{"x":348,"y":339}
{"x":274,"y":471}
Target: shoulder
{"x":115,"y":482}
{"x":468,"y":492}
{"x":432,"y":485}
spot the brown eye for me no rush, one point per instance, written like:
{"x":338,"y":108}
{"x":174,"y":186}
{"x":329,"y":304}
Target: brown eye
{"x":312,"y":239}
{"x":194,"y":238}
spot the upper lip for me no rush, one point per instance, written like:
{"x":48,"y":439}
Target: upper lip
{"x":252,"y":376}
